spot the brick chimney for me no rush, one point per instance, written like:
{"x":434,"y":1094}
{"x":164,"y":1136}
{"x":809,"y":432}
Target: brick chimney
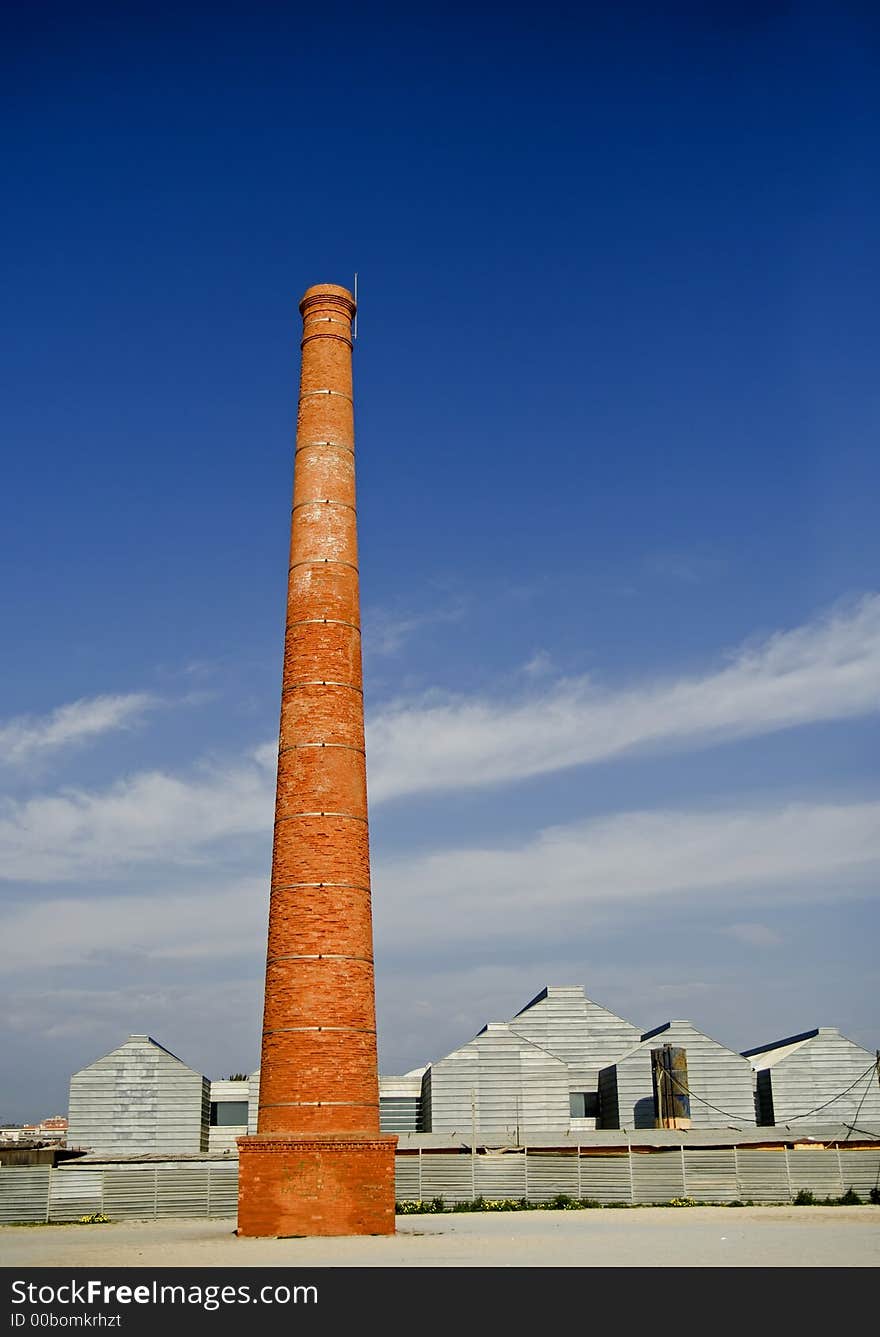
{"x":318,"y":1164}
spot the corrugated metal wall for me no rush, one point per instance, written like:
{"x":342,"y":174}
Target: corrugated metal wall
{"x":720,"y":1082}
{"x":512,"y":1088}
{"x":587,"y":1037}
{"x":717,"y":1175}
{"x":818,"y":1071}
{"x":210,"y":1189}
{"x":140,"y":1098}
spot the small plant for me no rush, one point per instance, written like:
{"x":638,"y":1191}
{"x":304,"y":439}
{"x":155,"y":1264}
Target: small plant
{"x":93,"y":1219}
{"x":850,"y":1198}
{"x":681,"y":1202}
{"x":419,"y":1206}
{"x":736,"y":1203}
{"x":874,"y":1196}
{"x":804,"y":1198}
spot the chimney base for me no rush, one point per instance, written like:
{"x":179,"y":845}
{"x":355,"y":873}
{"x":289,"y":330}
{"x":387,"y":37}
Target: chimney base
{"x":316,"y":1184}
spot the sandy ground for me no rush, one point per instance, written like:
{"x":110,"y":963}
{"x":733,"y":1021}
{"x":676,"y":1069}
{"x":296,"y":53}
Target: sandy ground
{"x":641,"y":1237}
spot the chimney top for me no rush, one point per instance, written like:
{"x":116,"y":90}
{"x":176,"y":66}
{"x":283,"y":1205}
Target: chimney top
{"x":327,"y":294}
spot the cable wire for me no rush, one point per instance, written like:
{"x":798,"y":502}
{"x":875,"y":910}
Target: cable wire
{"x":692,"y":1095}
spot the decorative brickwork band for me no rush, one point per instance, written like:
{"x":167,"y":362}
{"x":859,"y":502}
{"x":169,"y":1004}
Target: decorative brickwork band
{"x":319,"y":1164}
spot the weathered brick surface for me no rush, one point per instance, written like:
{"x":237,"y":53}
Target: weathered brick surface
{"x":318,"y":651}
{"x":318,"y":1164}
{"x":329,"y":919}
{"x":300,"y":991}
{"x":316,"y":1185}
{"x":332,"y":712}
{"x":321,"y":849}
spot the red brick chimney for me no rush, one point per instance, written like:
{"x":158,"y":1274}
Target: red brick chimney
{"x":318,"y":1164}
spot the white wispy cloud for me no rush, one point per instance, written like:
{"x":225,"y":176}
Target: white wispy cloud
{"x":557,"y":882}
{"x":213,"y":920}
{"x":548,"y":889}
{"x":25,"y":738}
{"x":828,"y":669}
{"x":386,"y":632}
{"x":149,"y":817}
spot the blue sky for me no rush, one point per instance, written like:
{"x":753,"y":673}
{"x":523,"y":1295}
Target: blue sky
{"x":617,"y":416}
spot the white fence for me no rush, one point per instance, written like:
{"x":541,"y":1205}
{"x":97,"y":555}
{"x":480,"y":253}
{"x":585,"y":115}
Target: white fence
{"x":205,"y":1188}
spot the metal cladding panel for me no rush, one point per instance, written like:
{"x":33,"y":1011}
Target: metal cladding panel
{"x":606,"y":1178}
{"x":139,"y":1099}
{"x":225,"y":1139}
{"x":74,"y":1193}
{"x":720,"y":1082}
{"x":182,"y":1190}
{"x":447,"y":1177}
{"x":253,"y":1102}
{"x":222,"y":1190}
{"x":427,"y":1114}
{"x":573,"y":1028}
{"x":763,"y":1175}
{"x":764,"y":1112}
{"x":407,"y":1178}
{"x":817,"y":1074}
{"x":502,"y":1176}
{"x":609,"y":1106}
{"x":551,"y":1175}
{"x":657,"y":1176}
{"x":201,"y":1189}
{"x":504,"y":1084}
{"x":400,"y":1114}
{"x":24,"y":1193}
{"x":860,"y":1170}
{"x":710,"y":1175}
{"x":130,"y":1192}
{"x":816,"y":1171}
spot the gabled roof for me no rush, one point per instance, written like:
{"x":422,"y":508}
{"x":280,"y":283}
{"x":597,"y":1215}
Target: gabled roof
{"x":779,"y":1048}
{"x":504,"y":1031}
{"x":664,"y":1026}
{"x":138,"y":1042}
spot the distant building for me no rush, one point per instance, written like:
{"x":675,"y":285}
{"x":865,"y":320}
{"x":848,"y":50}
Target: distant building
{"x":228,"y":1118}
{"x":819,"y":1074}
{"x":140,"y":1098}
{"x":536,"y":1075}
{"x":562,"y":1066}
{"x":719,"y":1082}
{"x":400,"y":1103}
{"x":48,"y":1132}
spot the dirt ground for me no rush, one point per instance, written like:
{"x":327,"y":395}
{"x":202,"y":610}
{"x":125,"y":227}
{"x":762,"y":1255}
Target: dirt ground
{"x":612,"y":1237}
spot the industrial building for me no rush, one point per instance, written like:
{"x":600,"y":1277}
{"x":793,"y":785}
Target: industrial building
{"x":564,"y":1067}
{"x":819,"y":1073}
{"x":719,"y":1082}
{"x":141,"y":1099}
{"x":564,"y":1064}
